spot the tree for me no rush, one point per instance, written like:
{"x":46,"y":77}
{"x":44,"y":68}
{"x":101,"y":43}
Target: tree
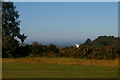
{"x":52,"y":48}
{"x":88,"y":41}
{"x":23,"y":51}
{"x":34,"y":43}
{"x":10,"y":21}
{"x":22,"y":37}
{"x":9,"y":46}
{"x":10,"y":30}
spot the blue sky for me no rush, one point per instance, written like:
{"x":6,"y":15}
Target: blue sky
{"x":68,"y":22}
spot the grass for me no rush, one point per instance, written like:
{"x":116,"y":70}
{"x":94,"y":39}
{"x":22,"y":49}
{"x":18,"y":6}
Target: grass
{"x":59,"y":68}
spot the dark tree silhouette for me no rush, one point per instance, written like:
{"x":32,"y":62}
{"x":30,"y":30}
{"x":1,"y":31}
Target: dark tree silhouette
{"x":10,"y":30}
{"x":22,"y":37}
{"x":88,"y":41}
{"x":9,"y":46}
{"x":10,"y":21}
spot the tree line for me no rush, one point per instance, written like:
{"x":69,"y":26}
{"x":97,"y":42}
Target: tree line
{"x":103,"y":47}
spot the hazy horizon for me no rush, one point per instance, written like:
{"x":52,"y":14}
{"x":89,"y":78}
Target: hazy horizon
{"x":67,"y":23}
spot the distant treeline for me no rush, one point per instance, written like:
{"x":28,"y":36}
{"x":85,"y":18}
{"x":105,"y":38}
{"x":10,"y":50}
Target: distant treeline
{"x":103,"y":47}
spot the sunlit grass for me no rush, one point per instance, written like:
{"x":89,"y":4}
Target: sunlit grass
{"x":57,"y":60}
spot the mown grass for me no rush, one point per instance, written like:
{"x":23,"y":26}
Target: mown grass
{"x":42,"y":67}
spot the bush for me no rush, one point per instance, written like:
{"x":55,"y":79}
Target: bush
{"x":36,"y":50}
{"x":23,"y":51}
{"x":43,"y":50}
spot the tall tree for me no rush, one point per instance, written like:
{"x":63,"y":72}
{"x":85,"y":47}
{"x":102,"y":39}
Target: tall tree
{"x":22,"y":37}
{"x":10,"y":21}
{"x":88,"y":41}
{"x":9,"y":46}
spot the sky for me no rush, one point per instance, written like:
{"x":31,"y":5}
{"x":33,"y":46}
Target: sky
{"x":67,"y":23}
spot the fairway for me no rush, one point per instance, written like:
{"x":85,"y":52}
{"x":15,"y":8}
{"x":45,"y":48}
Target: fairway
{"x":47,"y":70}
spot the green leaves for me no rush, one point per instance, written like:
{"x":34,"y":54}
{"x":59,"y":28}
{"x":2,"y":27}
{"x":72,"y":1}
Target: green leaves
{"x":10,"y":29}
{"x":9,"y":46}
{"x":10,"y":21}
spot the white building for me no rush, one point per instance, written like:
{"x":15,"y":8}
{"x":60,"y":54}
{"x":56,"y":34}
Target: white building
{"x":77,"y":45}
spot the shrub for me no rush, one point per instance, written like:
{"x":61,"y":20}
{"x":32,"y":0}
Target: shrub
{"x":23,"y":51}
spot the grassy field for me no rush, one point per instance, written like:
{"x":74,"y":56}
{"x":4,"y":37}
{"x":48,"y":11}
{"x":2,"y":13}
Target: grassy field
{"x":59,"y":68}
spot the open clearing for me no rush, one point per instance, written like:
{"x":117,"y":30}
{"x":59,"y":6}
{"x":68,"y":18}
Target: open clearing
{"x":59,"y":68}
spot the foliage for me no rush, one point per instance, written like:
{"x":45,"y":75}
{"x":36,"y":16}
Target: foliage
{"x":43,"y":50}
{"x":88,"y":41}
{"x":104,"y":47}
{"x":36,"y":50}
{"x":52,"y":49}
{"x":11,"y":31}
{"x":99,"y":48}
{"x":102,"y":41}
{"x":35,"y":43}
{"x":22,"y":51}
{"x":10,"y":21}
{"x":9,"y":46}
{"x":22,"y":37}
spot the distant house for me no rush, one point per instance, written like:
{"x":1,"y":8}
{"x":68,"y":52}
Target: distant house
{"x":77,"y":45}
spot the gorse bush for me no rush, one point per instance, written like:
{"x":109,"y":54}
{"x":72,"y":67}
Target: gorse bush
{"x":36,"y":50}
{"x":90,"y":52}
{"x":104,"y":47}
{"x":43,"y":50}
